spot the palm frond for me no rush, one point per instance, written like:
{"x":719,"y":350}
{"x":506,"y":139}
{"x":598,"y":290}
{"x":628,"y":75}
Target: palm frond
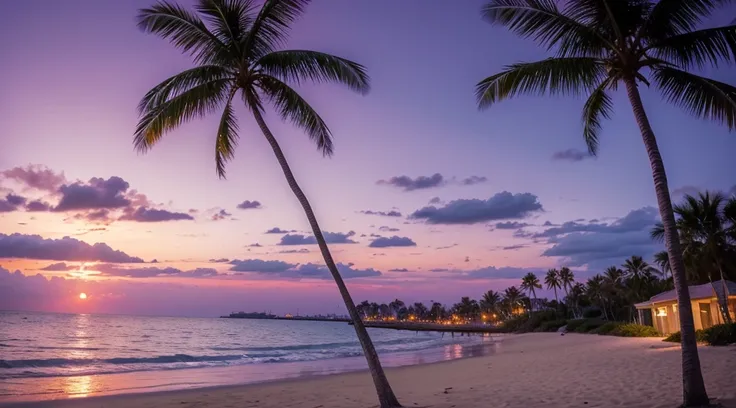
{"x":657,"y":232}
{"x":271,"y":26}
{"x":599,"y":105}
{"x":168,"y":115}
{"x":614,"y":19}
{"x":227,"y":136}
{"x":297,"y":65}
{"x":698,"y":48}
{"x":230,"y":19}
{"x":542,"y":21}
{"x":291,"y":106}
{"x":702,"y":97}
{"x":672,"y":17}
{"x":183,"y":29}
{"x":180,"y":83}
{"x":552,"y":75}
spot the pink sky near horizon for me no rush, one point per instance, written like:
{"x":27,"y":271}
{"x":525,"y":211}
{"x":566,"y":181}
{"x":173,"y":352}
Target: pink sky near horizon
{"x":78,"y":119}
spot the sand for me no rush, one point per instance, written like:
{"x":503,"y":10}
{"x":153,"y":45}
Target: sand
{"x":530,"y":370}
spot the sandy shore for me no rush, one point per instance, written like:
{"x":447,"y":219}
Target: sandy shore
{"x":532,"y":370}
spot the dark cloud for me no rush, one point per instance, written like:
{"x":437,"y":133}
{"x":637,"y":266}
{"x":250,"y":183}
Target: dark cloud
{"x":59,"y":266}
{"x":249,"y":205}
{"x":392,"y":213}
{"x":501,"y":206}
{"x":277,"y":230}
{"x":388,"y":229}
{"x":435,"y":200}
{"x":98,"y":193}
{"x":64,"y":249}
{"x":601,"y":245}
{"x":573,"y":155}
{"x":295,"y":251}
{"x":330,"y":238}
{"x":447,"y":246}
{"x":259,"y":265}
{"x":38,"y":206}
{"x":491,"y":272}
{"x":439,"y":270}
{"x":469,"y":181}
{"x":395,"y":241}
{"x":256,"y":245}
{"x":152,"y":272}
{"x":511,"y":225}
{"x":11,"y":202}
{"x":35,"y":176}
{"x":219,"y":260}
{"x":520,"y":233}
{"x":398,"y":270}
{"x":549,"y":224}
{"x":221,"y":215}
{"x":143,"y":214}
{"x":513,"y":247}
{"x":409,"y":184}
{"x":306,"y":271}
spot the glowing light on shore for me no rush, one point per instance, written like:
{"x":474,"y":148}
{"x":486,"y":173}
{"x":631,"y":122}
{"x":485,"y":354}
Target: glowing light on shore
{"x":83,"y":296}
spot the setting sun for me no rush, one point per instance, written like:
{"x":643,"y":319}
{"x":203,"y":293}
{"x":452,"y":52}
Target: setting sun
{"x":83,"y":296}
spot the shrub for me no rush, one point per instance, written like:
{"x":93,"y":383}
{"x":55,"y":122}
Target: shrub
{"x":588,"y":325}
{"x":552,"y":325}
{"x":572,"y":325}
{"x":592,"y":313}
{"x":720,"y":335}
{"x":634,"y":330}
{"x":536,"y":319}
{"x":606,"y":328}
{"x":676,"y":338}
{"x":513,"y":324}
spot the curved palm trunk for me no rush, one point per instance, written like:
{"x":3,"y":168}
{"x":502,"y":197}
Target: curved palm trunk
{"x":723,"y":300}
{"x":694,"y":393}
{"x":386,"y":395}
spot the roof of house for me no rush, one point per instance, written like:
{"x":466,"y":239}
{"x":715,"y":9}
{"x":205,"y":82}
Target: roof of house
{"x":706,"y":290}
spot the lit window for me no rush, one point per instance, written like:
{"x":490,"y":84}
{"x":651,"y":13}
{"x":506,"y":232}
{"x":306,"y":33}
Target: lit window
{"x":661,"y":311}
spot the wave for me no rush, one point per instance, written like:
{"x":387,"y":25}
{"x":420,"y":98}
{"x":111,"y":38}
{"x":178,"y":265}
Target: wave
{"x":318,"y":346}
{"x":76,"y":362}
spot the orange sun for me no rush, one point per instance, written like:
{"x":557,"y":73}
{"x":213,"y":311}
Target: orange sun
{"x":83,"y":296}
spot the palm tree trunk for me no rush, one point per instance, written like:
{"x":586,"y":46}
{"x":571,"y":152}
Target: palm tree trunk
{"x":386,"y":396}
{"x":723,"y":300}
{"x":694,"y":393}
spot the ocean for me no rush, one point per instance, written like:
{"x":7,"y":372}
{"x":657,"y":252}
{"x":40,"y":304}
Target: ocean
{"x":48,"y":356}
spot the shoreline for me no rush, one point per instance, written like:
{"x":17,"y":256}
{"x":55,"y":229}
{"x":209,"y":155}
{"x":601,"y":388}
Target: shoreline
{"x":531,"y":370}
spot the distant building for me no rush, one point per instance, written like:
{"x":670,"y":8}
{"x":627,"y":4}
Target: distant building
{"x":661,"y":310}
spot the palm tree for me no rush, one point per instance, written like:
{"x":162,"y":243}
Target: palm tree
{"x":512,"y":297}
{"x":530,"y":284}
{"x":552,"y":280}
{"x":421,"y":310}
{"x":594,"y":288}
{"x":567,"y":279}
{"x":396,"y":307}
{"x":235,"y":48}
{"x":437,"y":312}
{"x":577,"y":292}
{"x":489,"y":302}
{"x":663,"y":261}
{"x":601,"y":44}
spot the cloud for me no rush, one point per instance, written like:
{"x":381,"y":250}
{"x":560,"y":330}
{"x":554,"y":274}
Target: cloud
{"x":307,"y":271}
{"x":64,"y":249}
{"x":680,"y":192}
{"x":601,"y":245}
{"x":143,"y":214}
{"x":439,"y":270}
{"x":38,"y":206}
{"x":409,"y":184}
{"x":491,"y":272}
{"x":398,"y":270}
{"x":35,"y":176}
{"x":435,"y":200}
{"x":98,"y":193}
{"x":513,"y":247}
{"x":11,"y":202}
{"x":249,"y":205}
{"x":395,"y":241}
{"x":330,"y":238}
{"x":511,"y":225}
{"x":59,"y":266}
{"x":572,"y":155}
{"x":277,"y":230}
{"x":219,"y":260}
{"x":152,"y":272}
{"x":256,"y":245}
{"x":392,"y":213}
{"x":221,"y":215}
{"x":447,"y":246}
{"x":295,"y":251}
{"x":388,"y":229}
{"x":469,"y":181}
{"x":501,"y":206}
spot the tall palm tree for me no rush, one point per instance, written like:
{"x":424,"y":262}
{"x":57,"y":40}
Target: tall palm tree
{"x":594,"y":288}
{"x":235,"y":46}
{"x":489,"y":302}
{"x":512,"y":297}
{"x":567,"y":279}
{"x":552,"y":280}
{"x":577,"y":292}
{"x":529,"y":284}
{"x":601,"y":44}
{"x":663,"y":261}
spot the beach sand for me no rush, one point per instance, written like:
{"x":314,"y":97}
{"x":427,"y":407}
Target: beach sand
{"x":529,"y":370}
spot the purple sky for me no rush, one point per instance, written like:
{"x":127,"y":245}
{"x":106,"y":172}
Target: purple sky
{"x":74,"y":71}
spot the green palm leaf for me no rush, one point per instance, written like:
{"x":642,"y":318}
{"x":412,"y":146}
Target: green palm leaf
{"x":182,"y":82}
{"x":598,"y":106}
{"x":198,"y":101}
{"x":297,"y":66}
{"x":270,"y":28}
{"x":227,"y":136}
{"x":183,"y":29}
{"x":698,"y":48}
{"x":702,"y":97}
{"x":672,"y":17}
{"x":552,"y":75}
{"x":294,"y":108}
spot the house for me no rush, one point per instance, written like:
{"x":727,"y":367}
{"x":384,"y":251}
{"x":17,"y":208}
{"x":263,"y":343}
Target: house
{"x":661,"y":310}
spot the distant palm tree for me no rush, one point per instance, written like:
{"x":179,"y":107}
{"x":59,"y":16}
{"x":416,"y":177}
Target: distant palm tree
{"x":552,"y":280}
{"x":567,"y":279}
{"x":663,"y":261}
{"x":614,"y":276}
{"x":596,"y":292}
{"x":530,"y":284}
{"x":236,"y":51}
{"x":421,"y":310}
{"x":437,"y":311}
{"x":396,"y":307}
{"x":636,"y":268}
{"x":577,"y":291}
{"x":489,"y":302}
{"x":601,"y":44}
{"x":512,"y":297}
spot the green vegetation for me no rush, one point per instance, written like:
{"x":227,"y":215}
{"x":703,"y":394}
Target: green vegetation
{"x":720,"y":335}
{"x":676,"y":337}
{"x":607,"y":328}
{"x":551,"y":326}
{"x":634,"y":330}
{"x":588,"y":325}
